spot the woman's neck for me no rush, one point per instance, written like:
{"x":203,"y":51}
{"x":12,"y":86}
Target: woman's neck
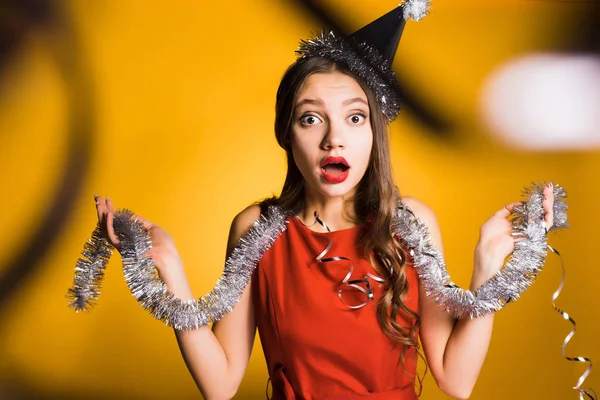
{"x":336,"y":212}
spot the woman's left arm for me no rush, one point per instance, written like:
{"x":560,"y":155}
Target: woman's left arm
{"x":455,"y":349}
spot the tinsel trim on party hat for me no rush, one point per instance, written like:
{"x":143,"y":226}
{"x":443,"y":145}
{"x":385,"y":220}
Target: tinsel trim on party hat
{"x":369,"y":52}
{"x":361,"y":59}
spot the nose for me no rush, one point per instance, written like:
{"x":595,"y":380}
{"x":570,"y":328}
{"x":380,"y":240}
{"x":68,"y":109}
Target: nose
{"x":334,"y":137}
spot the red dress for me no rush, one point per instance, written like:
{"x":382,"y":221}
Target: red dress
{"x":315,"y":346}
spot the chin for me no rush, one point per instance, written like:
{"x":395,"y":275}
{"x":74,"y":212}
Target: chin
{"x":337,"y":189}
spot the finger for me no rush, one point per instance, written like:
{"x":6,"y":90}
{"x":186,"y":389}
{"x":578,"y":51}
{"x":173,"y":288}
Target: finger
{"x":548,"y":205}
{"x":147,"y":224}
{"x":518,"y":235}
{"x":100,"y":207}
{"x":110,"y":230}
{"x":110,"y":218}
{"x":508,"y":209}
{"x":110,"y":205}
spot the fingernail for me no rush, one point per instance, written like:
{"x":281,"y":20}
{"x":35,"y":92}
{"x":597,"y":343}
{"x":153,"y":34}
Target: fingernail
{"x":108,"y":198}
{"x":95,"y":195}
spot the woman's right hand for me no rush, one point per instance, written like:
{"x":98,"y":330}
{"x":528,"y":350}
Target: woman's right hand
{"x":163,"y":251}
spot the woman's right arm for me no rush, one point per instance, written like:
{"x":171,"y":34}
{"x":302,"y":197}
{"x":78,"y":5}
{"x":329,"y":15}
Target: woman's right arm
{"x":217,"y":358}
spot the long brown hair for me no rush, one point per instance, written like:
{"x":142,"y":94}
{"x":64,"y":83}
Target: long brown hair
{"x":375,"y":200}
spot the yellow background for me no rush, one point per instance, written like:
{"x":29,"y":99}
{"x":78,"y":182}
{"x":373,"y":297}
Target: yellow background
{"x":181,"y":101}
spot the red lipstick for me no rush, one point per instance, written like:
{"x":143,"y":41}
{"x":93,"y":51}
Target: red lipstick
{"x":335,"y":169}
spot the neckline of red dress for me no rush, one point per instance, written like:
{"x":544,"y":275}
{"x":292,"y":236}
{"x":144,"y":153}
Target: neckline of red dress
{"x":298,"y":222}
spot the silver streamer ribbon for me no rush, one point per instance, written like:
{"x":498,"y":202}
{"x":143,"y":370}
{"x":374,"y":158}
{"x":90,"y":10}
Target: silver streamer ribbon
{"x":346,"y":282}
{"x":589,"y":393}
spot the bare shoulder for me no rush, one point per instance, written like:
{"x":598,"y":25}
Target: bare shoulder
{"x":421,"y":210}
{"x":242,"y":222}
{"x":427,"y":216}
{"x":245,"y":219}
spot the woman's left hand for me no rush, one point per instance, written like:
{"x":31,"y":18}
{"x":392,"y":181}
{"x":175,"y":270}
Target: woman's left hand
{"x":496,"y":241}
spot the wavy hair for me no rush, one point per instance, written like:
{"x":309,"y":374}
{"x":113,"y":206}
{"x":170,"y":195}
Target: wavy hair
{"x":375,"y":200}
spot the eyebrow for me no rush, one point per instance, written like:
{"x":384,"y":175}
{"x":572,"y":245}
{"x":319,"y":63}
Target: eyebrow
{"x":355,"y":100}
{"x":309,"y":101}
{"x":320,"y":103}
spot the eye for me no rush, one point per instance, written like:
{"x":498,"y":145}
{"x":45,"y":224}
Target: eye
{"x":309,"y":119}
{"x":357,"y":119}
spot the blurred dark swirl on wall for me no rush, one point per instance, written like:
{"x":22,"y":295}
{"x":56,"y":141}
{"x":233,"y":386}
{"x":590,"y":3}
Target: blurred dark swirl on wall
{"x":18,"y":19}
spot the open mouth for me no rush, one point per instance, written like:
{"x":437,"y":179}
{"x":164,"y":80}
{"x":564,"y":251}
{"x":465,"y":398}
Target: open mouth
{"x":335,"y":168}
{"x":334,"y":165}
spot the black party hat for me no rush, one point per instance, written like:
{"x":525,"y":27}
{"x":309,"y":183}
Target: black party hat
{"x":369,"y":52}
{"x":383,"y":34}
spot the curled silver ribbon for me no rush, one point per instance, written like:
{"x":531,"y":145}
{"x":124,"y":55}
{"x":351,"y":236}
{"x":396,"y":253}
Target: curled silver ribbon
{"x":355,"y":283}
{"x":589,"y":392}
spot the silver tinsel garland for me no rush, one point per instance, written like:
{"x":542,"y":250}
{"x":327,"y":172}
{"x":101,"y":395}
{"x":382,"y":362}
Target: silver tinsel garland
{"x":89,"y":271}
{"x":147,"y":287}
{"x":507,"y":285}
{"x":154,"y":296}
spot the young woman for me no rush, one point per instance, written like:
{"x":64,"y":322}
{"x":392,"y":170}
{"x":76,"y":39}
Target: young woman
{"x":339,"y":307}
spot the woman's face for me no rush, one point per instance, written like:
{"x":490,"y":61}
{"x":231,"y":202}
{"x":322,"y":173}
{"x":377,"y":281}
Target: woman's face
{"x":331,"y":134}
